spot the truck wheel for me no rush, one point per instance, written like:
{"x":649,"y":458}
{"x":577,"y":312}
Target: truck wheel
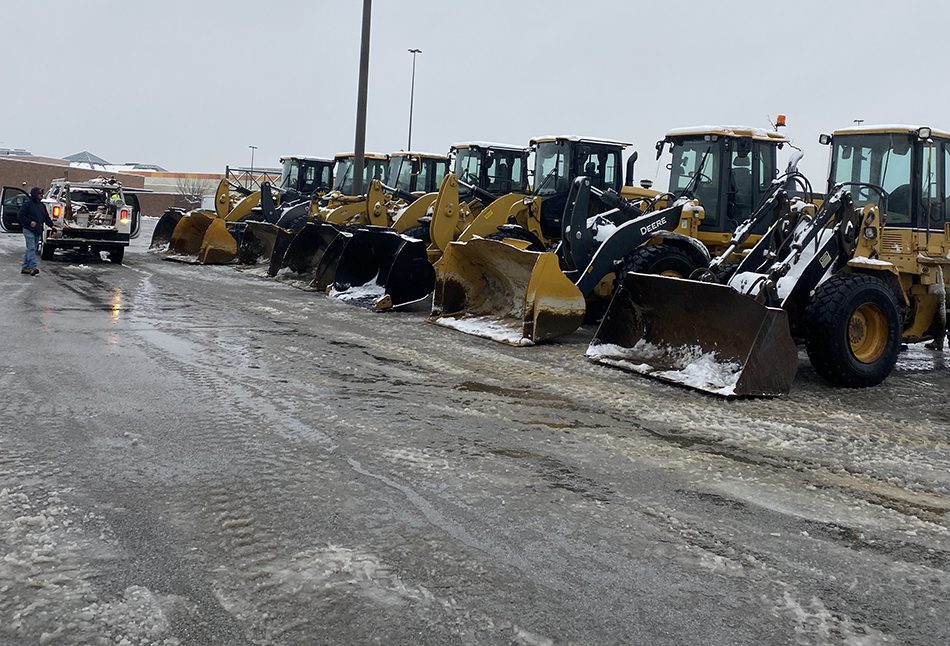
{"x":46,"y":251}
{"x":662,"y":259}
{"x":115,"y":255}
{"x":853,"y":330}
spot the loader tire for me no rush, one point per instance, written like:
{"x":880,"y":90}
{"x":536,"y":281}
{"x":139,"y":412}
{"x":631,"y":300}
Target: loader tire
{"x":519,"y":235}
{"x":853,"y":330}
{"x":665,"y":260}
{"x":420,"y":232}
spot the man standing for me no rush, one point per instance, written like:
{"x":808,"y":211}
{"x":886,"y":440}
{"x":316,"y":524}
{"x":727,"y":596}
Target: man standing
{"x":33,"y":215}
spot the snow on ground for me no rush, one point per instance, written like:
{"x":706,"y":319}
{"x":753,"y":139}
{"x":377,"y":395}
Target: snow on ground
{"x":689,"y":366}
{"x":48,"y":581}
{"x":504,"y":331}
{"x":370,"y":292}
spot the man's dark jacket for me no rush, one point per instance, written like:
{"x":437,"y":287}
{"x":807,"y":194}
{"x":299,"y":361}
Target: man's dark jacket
{"x":34,"y":211}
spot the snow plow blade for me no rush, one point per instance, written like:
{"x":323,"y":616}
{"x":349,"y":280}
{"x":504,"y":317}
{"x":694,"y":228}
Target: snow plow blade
{"x":259,"y":241}
{"x":189,"y":233}
{"x":162,"y":234}
{"x":383,"y":268}
{"x":218,"y":246}
{"x":304,"y":251}
{"x":701,"y":335}
{"x":495,"y":290}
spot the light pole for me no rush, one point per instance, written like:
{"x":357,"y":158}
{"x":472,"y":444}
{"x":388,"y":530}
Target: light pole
{"x":359,"y":148}
{"x":412,"y":93}
{"x":253,"y":148}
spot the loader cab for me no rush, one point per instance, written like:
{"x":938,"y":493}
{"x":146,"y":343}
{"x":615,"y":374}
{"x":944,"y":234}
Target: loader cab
{"x":728,"y":169}
{"x":496,"y":168}
{"x":910,"y":163}
{"x":417,"y":172}
{"x":559,"y":160}
{"x":305,"y":175}
{"x":375,"y":166}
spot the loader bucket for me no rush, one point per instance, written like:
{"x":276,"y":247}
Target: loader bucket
{"x":218,"y":246}
{"x":162,"y":234}
{"x":702,"y":335}
{"x":257,"y":243}
{"x":305,"y":251}
{"x":500,"y":292}
{"x":384,"y":269}
{"x":187,"y":237}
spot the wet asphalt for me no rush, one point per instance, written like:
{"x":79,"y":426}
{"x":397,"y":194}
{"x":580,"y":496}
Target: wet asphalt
{"x":198,"y":455}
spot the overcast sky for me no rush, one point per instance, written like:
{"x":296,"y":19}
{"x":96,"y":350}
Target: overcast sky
{"x":189,"y":84}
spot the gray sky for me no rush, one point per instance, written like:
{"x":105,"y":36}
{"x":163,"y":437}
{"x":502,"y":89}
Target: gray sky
{"x":189,"y":84}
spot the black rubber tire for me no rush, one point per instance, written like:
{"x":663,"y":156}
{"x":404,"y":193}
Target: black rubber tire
{"x":420,"y":232}
{"x":726,"y":271}
{"x":46,"y":251}
{"x":827,"y":327}
{"x":516,"y":234}
{"x":658,"y":259}
{"x":116,"y":255}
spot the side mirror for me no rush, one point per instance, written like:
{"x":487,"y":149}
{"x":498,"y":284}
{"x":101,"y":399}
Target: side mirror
{"x":659,"y":149}
{"x":824,"y":140}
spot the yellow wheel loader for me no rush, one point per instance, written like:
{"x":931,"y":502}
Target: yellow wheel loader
{"x":850,"y":280}
{"x":379,"y":268}
{"x":365,"y":257}
{"x":482,"y":173}
{"x":269,"y":241}
{"x":525,"y":295}
{"x":214,"y":237}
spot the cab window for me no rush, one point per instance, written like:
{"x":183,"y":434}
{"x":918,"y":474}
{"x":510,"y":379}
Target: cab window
{"x":945,"y":170}
{"x":425,"y":172}
{"x":600,"y":166}
{"x":931,"y":202}
{"x":882,"y":160}
{"x":504,"y":173}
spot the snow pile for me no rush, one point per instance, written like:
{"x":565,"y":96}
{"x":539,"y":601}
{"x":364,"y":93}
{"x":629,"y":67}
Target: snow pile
{"x":685,"y":365}
{"x":510,"y":332}
{"x":371,"y":292}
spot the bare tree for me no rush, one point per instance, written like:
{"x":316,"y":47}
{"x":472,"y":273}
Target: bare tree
{"x":193,"y":189}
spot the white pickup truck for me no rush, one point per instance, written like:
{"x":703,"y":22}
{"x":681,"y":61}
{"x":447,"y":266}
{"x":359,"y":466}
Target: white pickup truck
{"x":97,"y":215}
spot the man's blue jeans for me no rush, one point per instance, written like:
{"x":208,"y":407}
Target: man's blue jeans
{"x":29,"y":256}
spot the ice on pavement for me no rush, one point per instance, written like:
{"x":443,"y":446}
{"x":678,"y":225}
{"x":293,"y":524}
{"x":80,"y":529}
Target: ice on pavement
{"x":504,"y":331}
{"x":49,"y":588}
{"x":689,"y":365}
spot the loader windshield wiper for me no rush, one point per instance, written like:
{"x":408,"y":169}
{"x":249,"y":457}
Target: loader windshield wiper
{"x":688,"y":189}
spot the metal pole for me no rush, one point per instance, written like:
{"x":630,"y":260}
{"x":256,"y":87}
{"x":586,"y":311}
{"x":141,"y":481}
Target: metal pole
{"x":359,"y":148}
{"x":412,"y":93}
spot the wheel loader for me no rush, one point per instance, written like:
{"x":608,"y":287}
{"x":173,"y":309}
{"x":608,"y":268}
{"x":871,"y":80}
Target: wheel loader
{"x":213,"y":237}
{"x":851,"y":280}
{"x":383,"y":269}
{"x":273,"y":232}
{"x":514,"y":289}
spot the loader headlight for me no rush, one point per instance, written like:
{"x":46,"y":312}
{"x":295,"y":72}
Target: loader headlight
{"x":924,"y":133}
{"x":870,"y":233}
